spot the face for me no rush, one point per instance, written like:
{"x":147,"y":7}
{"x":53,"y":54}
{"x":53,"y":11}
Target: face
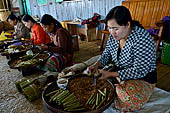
{"x":28,"y":24}
{"x":48,"y":28}
{"x":12,"y":22}
{"x":117,"y":31}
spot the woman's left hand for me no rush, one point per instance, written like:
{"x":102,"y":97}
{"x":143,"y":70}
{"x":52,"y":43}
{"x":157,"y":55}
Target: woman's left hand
{"x":43,"y":47}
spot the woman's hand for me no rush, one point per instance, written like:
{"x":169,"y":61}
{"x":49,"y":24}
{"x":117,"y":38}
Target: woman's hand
{"x":93,"y":68}
{"x":107,"y":74}
{"x":43,"y":47}
{"x":27,"y":41}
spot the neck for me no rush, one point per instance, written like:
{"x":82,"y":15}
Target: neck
{"x":54,"y":29}
{"x":126,"y":37}
{"x":123,"y":41}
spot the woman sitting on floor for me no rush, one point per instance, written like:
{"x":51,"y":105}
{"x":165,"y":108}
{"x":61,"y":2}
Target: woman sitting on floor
{"x":21,"y":31}
{"x":39,"y":36}
{"x":61,"y":46}
{"x":133,"y":51}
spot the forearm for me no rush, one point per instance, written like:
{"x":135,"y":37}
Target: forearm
{"x":113,"y":74}
{"x":98,"y":64}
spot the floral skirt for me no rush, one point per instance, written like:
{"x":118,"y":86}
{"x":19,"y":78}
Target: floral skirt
{"x":132,"y":95}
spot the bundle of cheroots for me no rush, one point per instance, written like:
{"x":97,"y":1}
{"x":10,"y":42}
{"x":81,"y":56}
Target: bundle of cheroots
{"x":32,"y":88}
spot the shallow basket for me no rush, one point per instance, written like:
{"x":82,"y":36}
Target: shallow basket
{"x":54,"y":108}
{"x":165,"y":58}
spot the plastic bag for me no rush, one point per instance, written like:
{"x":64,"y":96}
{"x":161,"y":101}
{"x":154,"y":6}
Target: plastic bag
{"x":3,"y":37}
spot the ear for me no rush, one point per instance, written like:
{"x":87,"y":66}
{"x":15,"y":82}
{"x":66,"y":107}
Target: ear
{"x":52,"y":25}
{"x":15,"y":20}
{"x":128,"y":24}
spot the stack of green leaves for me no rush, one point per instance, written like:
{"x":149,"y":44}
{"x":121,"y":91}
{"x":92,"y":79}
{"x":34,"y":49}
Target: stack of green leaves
{"x":28,"y":88}
{"x":32,"y":92}
{"x":22,"y":83}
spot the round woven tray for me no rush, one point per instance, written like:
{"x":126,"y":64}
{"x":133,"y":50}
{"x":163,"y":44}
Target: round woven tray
{"x":54,"y":108}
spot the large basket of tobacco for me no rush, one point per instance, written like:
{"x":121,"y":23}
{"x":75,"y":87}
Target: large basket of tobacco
{"x":81,"y":95}
{"x":28,"y":61}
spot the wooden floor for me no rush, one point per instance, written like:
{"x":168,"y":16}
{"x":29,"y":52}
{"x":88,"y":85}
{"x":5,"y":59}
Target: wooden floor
{"x":90,"y":49}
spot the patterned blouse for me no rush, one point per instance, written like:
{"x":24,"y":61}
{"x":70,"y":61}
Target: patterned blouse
{"x":137,"y":58}
{"x":22,"y":31}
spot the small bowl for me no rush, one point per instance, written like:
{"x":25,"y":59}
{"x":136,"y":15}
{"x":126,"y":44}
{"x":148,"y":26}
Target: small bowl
{"x":62,"y":83}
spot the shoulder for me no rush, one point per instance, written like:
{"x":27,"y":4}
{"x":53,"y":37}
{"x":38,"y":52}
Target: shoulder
{"x":141,"y":38}
{"x":62,"y":31}
{"x":37,"y":27}
{"x":139,"y":34}
{"x":20,"y":24}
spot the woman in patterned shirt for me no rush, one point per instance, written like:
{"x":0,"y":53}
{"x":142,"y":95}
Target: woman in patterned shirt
{"x":61,"y":46}
{"x":133,"y":52}
{"x":21,"y":31}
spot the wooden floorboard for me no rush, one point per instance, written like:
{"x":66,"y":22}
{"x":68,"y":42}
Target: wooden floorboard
{"x":90,"y":49}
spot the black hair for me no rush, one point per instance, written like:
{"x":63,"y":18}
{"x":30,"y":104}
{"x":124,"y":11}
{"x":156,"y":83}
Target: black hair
{"x":27,"y":17}
{"x":48,"y":19}
{"x":122,"y":16}
{"x":13,"y":17}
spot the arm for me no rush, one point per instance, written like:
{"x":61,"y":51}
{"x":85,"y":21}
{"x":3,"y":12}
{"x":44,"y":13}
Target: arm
{"x":61,"y":42}
{"x":103,"y":59}
{"x":106,"y":56}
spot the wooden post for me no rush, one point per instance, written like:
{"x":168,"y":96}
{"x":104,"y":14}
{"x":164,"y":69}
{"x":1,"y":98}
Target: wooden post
{"x":7,"y":4}
{"x":3,"y":4}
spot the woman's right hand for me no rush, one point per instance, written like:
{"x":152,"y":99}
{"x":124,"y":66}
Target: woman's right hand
{"x":93,"y":68}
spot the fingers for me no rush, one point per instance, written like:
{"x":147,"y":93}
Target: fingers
{"x":102,"y":73}
{"x":90,"y":69}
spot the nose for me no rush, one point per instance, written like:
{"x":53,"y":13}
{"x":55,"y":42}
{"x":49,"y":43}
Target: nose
{"x":45,"y":30}
{"x":112,"y":32}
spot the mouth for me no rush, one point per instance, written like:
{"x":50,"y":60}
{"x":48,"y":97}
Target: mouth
{"x":116,"y":37}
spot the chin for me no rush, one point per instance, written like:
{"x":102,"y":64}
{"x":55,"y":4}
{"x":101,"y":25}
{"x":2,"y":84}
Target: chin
{"x":117,"y":38}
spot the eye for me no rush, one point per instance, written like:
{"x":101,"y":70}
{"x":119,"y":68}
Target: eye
{"x":116,"y":29}
{"x":109,"y":28}
{"x":113,"y":28}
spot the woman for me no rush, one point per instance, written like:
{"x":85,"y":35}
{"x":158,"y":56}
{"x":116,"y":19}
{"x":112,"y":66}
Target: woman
{"x":61,"y":46}
{"x":133,"y":51}
{"x":39,"y":36}
{"x":20,"y":30}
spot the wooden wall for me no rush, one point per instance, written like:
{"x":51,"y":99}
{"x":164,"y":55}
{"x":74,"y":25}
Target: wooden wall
{"x":148,"y":12}
{"x":73,"y":9}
